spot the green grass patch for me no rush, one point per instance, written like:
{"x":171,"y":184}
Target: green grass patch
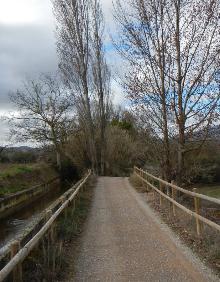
{"x":18,"y":177}
{"x":11,"y":189}
{"x":211,"y":191}
{"x":15,"y":170}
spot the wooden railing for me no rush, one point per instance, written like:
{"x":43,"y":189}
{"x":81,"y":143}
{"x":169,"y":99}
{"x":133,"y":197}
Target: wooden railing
{"x":27,"y":234}
{"x":8,"y":204}
{"x":18,"y":254}
{"x":160,"y":186}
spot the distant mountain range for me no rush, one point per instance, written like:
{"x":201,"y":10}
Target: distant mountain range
{"x":213,"y":134}
{"x":23,"y":149}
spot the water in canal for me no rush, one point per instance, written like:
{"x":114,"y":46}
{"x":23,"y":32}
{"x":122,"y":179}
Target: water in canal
{"x":13,"y":226}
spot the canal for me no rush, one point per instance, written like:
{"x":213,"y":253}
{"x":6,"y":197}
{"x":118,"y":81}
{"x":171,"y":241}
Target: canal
{"x":13,"y":226}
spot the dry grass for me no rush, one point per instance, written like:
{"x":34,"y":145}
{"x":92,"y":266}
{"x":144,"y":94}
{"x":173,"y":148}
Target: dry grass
{"x":138,"y":184}
{"x":50,"y":262}
{"x":207,"y":246}
{"x":209,"y":190}
{"x":18,"y":177}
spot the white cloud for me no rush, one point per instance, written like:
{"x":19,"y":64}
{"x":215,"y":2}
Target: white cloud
{"x":24,"y":11}
{"x":27,"y":43}
{"x":27,"y":46}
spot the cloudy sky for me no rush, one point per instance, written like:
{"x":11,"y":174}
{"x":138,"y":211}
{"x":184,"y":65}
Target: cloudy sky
{"x":27,"y":46}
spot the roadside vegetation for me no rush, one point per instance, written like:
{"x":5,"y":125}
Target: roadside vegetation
{"x":169,"y":52}
{"x":18,"y":177}
{"x":51,"y":262}
{"x":211,"y":190}
{"x":171,"y":80}
{"x":205,"y":246}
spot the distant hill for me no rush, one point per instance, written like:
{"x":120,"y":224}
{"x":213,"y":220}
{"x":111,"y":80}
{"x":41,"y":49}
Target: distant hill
{"x":19,"y":154}
{"x":213,"y":134}
{"x":22,"y":149}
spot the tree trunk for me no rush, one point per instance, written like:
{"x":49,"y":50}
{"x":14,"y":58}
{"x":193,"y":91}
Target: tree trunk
{"x":181,"y":147}
{"x":91,"y":132}
{"x":102,"y":125}
{"x":99,"y":66}
{"x":102,"y":151}
{"x":161,"y":55}
{"x":167,"y":165}
{"x":181,"y":115}
{"x":59,"y":165}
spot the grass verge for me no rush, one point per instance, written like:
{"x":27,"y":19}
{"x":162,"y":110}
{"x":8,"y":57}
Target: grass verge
{"x":54,"y":261}
{"x":18,"y":177}
{"x":210,"y":190}
{"x":207,"y":246}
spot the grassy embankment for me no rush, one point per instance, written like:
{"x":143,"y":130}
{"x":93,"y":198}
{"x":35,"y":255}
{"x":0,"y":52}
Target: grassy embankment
{"x":17,"y":177}
{"x":55,"y":262}
{"x":209,"y":190}
{"x":206,"y":245}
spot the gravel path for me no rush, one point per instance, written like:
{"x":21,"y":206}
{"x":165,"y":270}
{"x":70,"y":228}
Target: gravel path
{"x":125,"y":241}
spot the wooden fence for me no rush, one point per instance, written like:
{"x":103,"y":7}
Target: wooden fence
{"x":160,"y":186}
{"x":28,"y":232}
{"x":12,"y":203}
{"x":18,"y":254}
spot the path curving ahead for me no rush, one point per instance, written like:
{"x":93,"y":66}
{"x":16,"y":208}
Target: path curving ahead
{"x":125,"y":241}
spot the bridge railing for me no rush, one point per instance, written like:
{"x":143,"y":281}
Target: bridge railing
{"x":9,"y":203}
{"x":28,"y":232}
{"x":18,"y":254}
{"x":169,"y":192}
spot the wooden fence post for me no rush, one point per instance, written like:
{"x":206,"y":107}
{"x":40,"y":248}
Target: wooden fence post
{"x":53,"y":245}
{"x":146,"y":185}
{"x":47,"y":252}
{"x":48,"y":214}
{"x":74,"y":205}
{"x":78,"y":196}
{"x":161,"y":189}
{"x":197,"y":211}
{"x":154,"y":192}
{"x":63,"y":199}
{"x":142,"y":175}
{"x":174,"y":198}
{"x":82,"y":189}
{"x":17,"y":272}
{"x":53,"y":233}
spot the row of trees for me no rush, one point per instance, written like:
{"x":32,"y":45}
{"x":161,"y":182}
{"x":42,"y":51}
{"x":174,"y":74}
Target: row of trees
{"x":173,"y":79}
{"x":48,"y":116}
{"x":75,"y":102}
{"x":83,"y":65}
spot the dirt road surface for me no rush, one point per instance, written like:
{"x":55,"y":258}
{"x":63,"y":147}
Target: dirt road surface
{"x":125,"y":241}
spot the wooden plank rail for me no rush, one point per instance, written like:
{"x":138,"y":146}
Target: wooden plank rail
{"x":20,"y":256}
{"x":28,"y":233}
{"x":9,"y":204}
{"x":196,"y":196}
{"x":25,"y":236}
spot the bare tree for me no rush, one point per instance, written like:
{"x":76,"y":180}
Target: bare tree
{"x":172,"y":48}
{"x":193,"y":49}
{"x":80,"y":45}
{"x":73,"y":34}
{"x":142,"y":44}
{"x":43,"y":113}
{"x":101,"y":76}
